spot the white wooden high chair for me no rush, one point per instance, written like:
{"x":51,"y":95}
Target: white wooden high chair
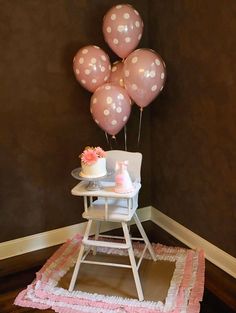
{"x":113,"y":207}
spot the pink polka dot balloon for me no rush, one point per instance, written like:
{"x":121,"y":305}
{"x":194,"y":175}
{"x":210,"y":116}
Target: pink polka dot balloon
{"x":122,"y":29}
{"x":116,"y":76}
{"x":92,"y":67}
{"x":110,"y":107}
{"x":144,"y":76}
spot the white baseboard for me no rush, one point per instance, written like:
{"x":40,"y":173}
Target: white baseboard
{"x":57,"y":236}
{"x":214,"y":254}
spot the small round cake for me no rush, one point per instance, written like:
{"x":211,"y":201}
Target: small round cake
{"x":95,"y":170}
{"x":93,"y":163}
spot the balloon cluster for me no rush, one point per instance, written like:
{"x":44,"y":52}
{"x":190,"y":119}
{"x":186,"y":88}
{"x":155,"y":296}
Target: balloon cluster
{"x":138,"y":77}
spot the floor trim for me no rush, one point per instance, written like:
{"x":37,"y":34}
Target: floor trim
{"x":213,"y":254}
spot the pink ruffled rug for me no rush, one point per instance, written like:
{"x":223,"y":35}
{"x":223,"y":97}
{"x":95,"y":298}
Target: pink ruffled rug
{"x":183,"y":296}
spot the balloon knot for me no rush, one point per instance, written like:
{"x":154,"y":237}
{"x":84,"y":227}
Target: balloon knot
{"x":113,"y":137}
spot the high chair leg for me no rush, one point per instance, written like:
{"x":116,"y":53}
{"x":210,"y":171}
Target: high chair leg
{"x":133,"y":262}
{"x":78,"y":262}
{"x":145,"y":238}
{"x":98,"y":225}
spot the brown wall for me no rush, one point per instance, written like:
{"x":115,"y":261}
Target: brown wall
{"x":44,"y":113}
{"x":188,"y":132}
{"x":194,"y":120}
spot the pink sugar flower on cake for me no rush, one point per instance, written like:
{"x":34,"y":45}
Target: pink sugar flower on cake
{"x":89,"y":156}
{"x":100,"y":152}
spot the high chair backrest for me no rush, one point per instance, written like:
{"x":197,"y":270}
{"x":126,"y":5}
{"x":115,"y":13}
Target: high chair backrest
{"x":134,"y":162}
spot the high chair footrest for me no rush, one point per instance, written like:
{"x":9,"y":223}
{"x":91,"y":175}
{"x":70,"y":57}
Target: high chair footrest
{"x":107,"y":244}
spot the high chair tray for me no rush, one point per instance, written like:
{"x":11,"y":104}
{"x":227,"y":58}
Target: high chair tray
{"x":106,"y":191}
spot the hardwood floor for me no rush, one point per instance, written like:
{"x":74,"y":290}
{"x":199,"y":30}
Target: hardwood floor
{"x":16,"y":273}
{"x":10,"y":286}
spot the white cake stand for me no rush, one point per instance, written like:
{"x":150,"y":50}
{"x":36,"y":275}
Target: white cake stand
{"x":93,"y":182}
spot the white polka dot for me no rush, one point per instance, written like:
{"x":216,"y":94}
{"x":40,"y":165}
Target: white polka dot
{"x":127,"y":39}
{"x":139,"y":36}
{"x":77,"y":71}
{"x":114,"y":68}
{"x":97,"y":121}
{"x":113,"y":106}
{"x":119,"y":110}
{"x":120,"y":96}
{"x":157,"y":62}
{"x":109,"y":29}
{"x":126,"y":73}
{"x":106,"y":112}
{"x":103,"y":69}
{"x":162,"y":75}
{"x":134,"y":87}
{"x":134,"y":60}
{"x":152,"y":74}
{"x":74,"y":60}
{"x":84,"y":51}
{"x":107,"y":87}
{"x":115,"y":41}
{"x":109,"y":100}
{"x":119,"y":6}
{"x":93,"y":60}
{"x":83,"y":81}
{"x":136,"y":12}
{"x":137,"y":24}
{"x":103,"y":57}
{"x":91,"y":110}
{"x":113,"y":17}
{"x":113,"y":122}
{"x":120,"y":28}
{"x":94,"y":81}
{"x":125,"y":118}
{"x":96,"y":47}
{"x":154,"y":88}
{"x":87,"y":71}
{"x":105,"y":78}
{"x":141,"y":70}
{"x":81,"y":60}
{"x":95,"y":100}
{"x":161,"y":88}
{"x":126,"y":16}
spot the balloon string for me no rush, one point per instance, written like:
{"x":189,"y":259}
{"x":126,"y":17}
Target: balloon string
{"x":125,"y":134}
{"x":108,"y":142}
{"x":107,"y":139}
{"x":140,"y":125}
